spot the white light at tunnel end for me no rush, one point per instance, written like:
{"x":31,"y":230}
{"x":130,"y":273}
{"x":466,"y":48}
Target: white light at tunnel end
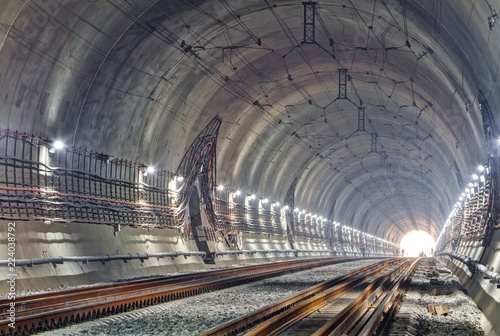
{"x":417,"y":243}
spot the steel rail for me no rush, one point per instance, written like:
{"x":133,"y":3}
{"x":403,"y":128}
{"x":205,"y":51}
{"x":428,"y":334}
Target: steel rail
{"x":279,"y":316}
{"x":351,"y":314}
{"x":35,"y":300}
{"x":391,"y":299}
{"x":49,"y":310}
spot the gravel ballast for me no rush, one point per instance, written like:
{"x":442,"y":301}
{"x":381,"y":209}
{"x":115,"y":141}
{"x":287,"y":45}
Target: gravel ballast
{"x":193,"y":315}
{"x":414,"y":318}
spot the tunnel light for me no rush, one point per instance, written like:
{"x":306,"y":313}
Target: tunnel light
{"x":150,"y":170}
{"x":277,"y":204}
{"x":58,"y":144}
{"x":220,"y":188}
{"x":481,"y":168}
{"x":180,"y":178}
{"x":287,"y":207}
{"x":463,"y":194}
{"x":475,"y":176}
{"x":252,"y":197}
{"x":237,"y":193}
{"x":314,"y":216}
{"x":467,"y":190}
{"x":461,"y":198}
{"x":296,"y":210}
{"x":265,"y":200}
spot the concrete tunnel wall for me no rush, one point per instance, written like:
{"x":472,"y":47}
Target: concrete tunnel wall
{"x":139,"y":80}
{"x":484,"y":292}
{"x":39,"y":240}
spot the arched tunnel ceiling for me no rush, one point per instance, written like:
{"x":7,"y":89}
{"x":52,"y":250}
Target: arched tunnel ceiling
{"x":139,"y":79}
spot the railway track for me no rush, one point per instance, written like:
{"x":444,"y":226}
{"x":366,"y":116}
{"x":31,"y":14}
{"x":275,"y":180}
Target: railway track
{"x":325,"y":309}
{"x":46,"y":311}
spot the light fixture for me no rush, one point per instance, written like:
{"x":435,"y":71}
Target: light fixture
{"x":220,"y":188}
{"x":180,"y":178}
{"x":471,"y":185}
{"x":150,"y":169}
{"x":252,"y":197}
{"x":238,"y":192}
{"x":277,"y":204}
{"x":58,"y":144}
{"x":265,"y":200}
{"x":287,"y":207}
{"x":463,"y":194}
{"x":481,"y":168}
{"x":475,"y":176}
{"x":467,"y":190}
{"x":460,"y":198}
{"x":296,"y":210}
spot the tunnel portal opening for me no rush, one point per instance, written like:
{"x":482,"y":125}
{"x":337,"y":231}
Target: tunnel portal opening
{"x":417,"y":243}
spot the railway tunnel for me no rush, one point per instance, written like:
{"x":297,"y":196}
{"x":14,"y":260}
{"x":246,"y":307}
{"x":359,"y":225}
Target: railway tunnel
{"x":149,"y":137}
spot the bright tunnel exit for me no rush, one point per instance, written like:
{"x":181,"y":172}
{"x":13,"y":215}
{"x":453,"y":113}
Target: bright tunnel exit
{"x":416,"y":243}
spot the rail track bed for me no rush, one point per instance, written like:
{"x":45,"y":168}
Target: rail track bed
{"x":313,"y":322}
{"x":47,"y":311}
{"x":331,"y":308}
{"x":433,"y":283}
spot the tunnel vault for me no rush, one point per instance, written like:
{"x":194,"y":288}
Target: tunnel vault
{"x":374,"y":106}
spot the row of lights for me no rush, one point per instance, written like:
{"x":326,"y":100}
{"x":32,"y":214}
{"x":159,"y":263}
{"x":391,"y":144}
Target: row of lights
{"x":58,"y":145}
{"x":471,"y":185}
{"x":150,"y":170}
{"x":251,"y":197}
{"x":470,"y":188}
{"x":297,"y":210}
{"x":266,"y":200}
